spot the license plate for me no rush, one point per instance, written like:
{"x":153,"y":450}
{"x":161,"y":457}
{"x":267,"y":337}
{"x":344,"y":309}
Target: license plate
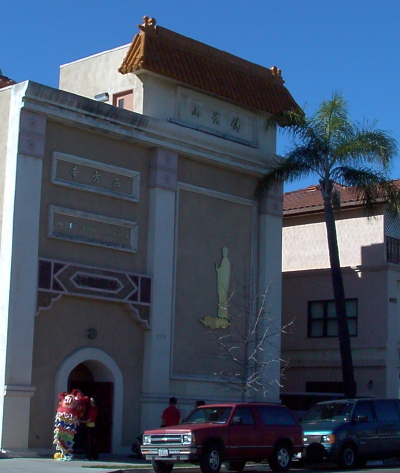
{"x":163,"y":452}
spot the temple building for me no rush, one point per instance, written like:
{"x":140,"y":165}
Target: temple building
{"x":128,"y":225}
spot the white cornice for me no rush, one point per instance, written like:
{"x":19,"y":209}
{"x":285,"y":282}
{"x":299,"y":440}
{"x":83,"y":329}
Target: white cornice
{"x":73,"y":110}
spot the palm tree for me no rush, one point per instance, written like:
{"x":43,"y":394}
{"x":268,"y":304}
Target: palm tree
{"x":328,"y":145}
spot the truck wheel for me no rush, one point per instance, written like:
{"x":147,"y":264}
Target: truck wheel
{"x":281,"y":459}
{"x":161,"y":467}
{"x":348,"y":457}
{"x":210,"y":460}
{"x":235,"y":466}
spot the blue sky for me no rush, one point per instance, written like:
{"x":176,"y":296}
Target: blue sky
{"x":351,"y":46}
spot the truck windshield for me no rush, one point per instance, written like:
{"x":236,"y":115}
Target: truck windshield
{"x":219,"y":415}
{"x":330,"y":412}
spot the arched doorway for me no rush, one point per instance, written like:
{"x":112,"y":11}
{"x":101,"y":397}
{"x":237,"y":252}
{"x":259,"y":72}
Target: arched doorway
{"x":96,"y":373}
{"x":82,"y":377}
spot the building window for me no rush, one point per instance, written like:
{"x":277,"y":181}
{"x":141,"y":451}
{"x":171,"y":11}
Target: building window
{"x":392,"y":250}
{"x":124,"y":100}
{"x":322,"y":318}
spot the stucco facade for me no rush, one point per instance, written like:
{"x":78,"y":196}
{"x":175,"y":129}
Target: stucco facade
{"x":113,"y":220}
{"x":369,"y":278}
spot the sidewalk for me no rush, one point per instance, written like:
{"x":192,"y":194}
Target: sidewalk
{"x":106,"y":464}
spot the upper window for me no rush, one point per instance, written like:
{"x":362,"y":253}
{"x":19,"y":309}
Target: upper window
{"x":124,"y":100}
{"x":322,"y":320}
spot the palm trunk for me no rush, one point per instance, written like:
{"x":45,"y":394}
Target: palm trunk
{"x":349,"y":385}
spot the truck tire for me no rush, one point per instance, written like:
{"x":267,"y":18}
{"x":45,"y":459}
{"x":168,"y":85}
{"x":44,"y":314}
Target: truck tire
{"x":235,"y":466}
{"x":161,"y":467}
{"x":348,"y":457}
{"x":281,"y":458}
{"x":210,"y":460}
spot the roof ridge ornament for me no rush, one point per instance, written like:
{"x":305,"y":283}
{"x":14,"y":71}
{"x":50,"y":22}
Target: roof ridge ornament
{"x":275,"y":71}
{"x":148,"y":26}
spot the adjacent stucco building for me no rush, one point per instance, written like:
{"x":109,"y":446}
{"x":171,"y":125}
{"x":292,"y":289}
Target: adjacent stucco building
{"x":369,"y":256}
{"x":117,"y":194}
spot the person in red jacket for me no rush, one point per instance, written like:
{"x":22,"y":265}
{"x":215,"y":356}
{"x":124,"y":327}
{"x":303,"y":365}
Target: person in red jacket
{"x":171,"y":415}
{"x":71,"y":409}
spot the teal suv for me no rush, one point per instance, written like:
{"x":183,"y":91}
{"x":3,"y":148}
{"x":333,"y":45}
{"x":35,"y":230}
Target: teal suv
{"x":351,"y":431}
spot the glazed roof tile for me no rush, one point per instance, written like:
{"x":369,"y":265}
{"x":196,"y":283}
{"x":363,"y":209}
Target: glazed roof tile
{"x":164,"y":52}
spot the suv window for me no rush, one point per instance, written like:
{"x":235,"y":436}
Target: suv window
{"x":386,"y":411}
{"x":206,"y":414}
{"x":243,"y":415}
{"x":275,"y":415}
{"x":363,"y":409}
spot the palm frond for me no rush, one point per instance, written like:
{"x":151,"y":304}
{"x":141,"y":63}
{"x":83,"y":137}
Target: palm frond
{"x":368,"y":145}
{"x":282,"y":170}
{"x":370,"y":186}
{"x":329,"y":145}
{"x":291,"y":122}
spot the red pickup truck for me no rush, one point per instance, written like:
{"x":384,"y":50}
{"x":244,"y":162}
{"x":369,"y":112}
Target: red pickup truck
{"x":232,"y":433}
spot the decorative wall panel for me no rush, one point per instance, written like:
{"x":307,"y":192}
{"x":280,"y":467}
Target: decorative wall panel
{"x":93,"y":229}
{"x":92,"y":176}
{"x":57,"y":278}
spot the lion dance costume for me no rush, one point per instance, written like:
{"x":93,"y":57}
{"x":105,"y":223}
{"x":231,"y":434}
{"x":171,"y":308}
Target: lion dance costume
{"x":71,"y":409}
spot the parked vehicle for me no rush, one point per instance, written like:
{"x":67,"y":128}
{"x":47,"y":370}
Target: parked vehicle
{"x":300,"y":402}
{"x":230,"y":433}
{"x":351,"y":432}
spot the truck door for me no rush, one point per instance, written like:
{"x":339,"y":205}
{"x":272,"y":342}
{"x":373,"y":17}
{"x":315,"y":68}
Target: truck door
{"x":242,"y":435}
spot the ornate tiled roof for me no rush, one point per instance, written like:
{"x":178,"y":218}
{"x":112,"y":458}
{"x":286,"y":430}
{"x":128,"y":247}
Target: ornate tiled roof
{"x":164,"y":52}
{"x":5,"y":81}
{"x":310,"y":199}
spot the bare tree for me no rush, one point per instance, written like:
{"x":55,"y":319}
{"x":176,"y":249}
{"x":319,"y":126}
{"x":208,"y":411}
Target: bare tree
{"x":247,"y":349}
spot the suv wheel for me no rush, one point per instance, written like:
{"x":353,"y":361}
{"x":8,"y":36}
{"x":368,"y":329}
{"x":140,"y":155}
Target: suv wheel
{"x":161,"y":467}
{"x":210,"y":460}
{"x":347,"y":458}
{"x":281,"y":458}
{"x":235,"y":466}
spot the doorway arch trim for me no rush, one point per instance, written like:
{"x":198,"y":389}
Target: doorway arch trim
{"x":95,"y":354}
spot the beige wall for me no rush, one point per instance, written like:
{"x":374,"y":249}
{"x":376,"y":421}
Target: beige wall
{"x":59,"y":332}
{"x":104,"y":150}
{"x":311,"y":359}
{"x":218,"y":179}
{"x":206,"y":224}
{"x":87,"y":76}
{"x":360,"y":241}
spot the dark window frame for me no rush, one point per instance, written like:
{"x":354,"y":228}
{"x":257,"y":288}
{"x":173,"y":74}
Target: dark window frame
{"x":326,"y":319}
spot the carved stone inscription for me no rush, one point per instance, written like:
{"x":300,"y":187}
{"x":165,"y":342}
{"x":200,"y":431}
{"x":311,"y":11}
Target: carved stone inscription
{"x":92,"y":176}
{"x":229,"y":122}
{"x":93,"y":229}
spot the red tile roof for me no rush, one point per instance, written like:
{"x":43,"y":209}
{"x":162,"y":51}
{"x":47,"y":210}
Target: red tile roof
{"x":5,"y":81}
{"x":310,"y":199}
{"x":164,"y":52}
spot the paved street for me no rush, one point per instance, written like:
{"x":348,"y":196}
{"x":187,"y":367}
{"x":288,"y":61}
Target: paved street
{"x":113,"y":464}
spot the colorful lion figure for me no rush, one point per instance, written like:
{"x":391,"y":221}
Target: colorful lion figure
{"x":71,"y":408}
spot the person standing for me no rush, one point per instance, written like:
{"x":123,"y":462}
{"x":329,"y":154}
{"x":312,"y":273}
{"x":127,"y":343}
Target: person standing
{"x":90,"y":431}
{"x":171,"y":415}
